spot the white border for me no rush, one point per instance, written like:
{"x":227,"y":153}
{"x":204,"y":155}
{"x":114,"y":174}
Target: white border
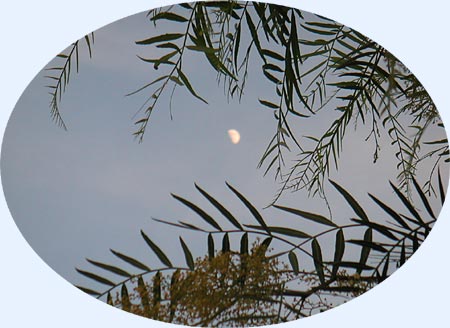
{"x":34,"y":295}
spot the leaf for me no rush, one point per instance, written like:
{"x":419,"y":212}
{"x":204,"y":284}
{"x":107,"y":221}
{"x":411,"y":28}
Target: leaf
{"x":131,"y":261}
{"x":89,"y":291}
{"x":294,"y":262}
{"x":210,"y":246}
{"x":309,"y":216}
{"x":157,"y":288}
{"x":187,"y":255}
{"x":391,"y":212}
{"x":159,"y":253}
{"x":384,"y":274}
{"x":371,"y":245}
{"x":244,"y":243}
{"x":408,"y":204}
{"x":365,"y":251}
{"x":423,"y":198}
{"x":110,"y":268}
{"x":221,"y":208}
{"x":203,"y":49}
{"x":441,"y":188}
{"x":318,"y":262}
{"x":225,"y":243}
{"x":268,"y":104}
{"x":126,"y":305}
{"x":377,"y":227}
{"x":96,"y":278}
{"x":143,"y":294}
{"x":109,"y":299}
{"x":289,"y":232}
{"x":356,"y":265}
{"x":403,"y":254}
{"x":351,"y":201}
{"x":250,"y":207}
{"x":339,"y":249}
{"x":188,"y":85}
{"x":161,"y":38}
{"x":169,"y":16}
{"x":205,"y":216}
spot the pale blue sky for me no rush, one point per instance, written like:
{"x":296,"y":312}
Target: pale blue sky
{"x":76,"y":194}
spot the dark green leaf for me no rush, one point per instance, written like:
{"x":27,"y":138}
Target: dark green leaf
{"x":407,"y":203}
{"x":377,"y":227}
{"x":143,"y":294}
{"x":310,"y":216}
{"x":244,"y":243}
{"x":289,"y":232}
{"x":339,"y":249}
{"x":403,"y":254}
{"x":161,"y":38}
{"x":169,"y":16}
{"x":210,"y":246}
{"x":157,"y":288}
{"x":371,"y":245}
{"x":130,"y":260}
{"x":221,"y":208}
{"x":268,"y":104}
{"x":423,"y":198}
{"x":365,"y":251}
{"x":188,"y":85}
{"x":205,"y":216}
{"x":110,"y":268}
{"x":294,"y":262}
{"x":126,"y":304}
{"x":391,"y":212}
{"x":96,"y":278}
{"x":187,"y":255}
{"x":318,"y":262}
{"x":441,"y":188}
{"x":250,"y":207}
{"x":159,"y":253}
{"x":351,"y":201}
{"x":225,"y":243}
{"x":203,"y":49}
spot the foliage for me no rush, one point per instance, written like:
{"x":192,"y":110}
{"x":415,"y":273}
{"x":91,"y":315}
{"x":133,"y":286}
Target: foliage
{"x":301,"y":274}
{"x":314,"y":64}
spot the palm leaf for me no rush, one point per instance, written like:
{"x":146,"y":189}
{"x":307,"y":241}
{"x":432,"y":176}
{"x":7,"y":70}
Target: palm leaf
{"x":159,"y":253}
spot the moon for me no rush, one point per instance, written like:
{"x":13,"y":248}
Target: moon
{"x":234,"y":135}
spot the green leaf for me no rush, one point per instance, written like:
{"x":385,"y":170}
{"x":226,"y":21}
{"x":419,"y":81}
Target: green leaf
{"x":205,"y":216}
{"x":244,"y":243}
{"x":309,"y":216}
{"x":203,"y":49}
{"x":250,"y":207}
{"x":391,"y":212}
{"x":110,"y":268}
{"x":385,"y":267}
{"x":339,"y":249}
{"x":408,"y":204}
{"x":356,"y":265}
{"x":225,"y":243}
{"x":159,"y":253}
{"x":157,"y":288}
{"x":272,"y":54}
{"x":268,"y":104}
{"x":423,"y":198}
{"x":441,"y":187}
{"x":169,"y":16}
{"x":210,"y":246}
{"x":187,"y":255}
{"x":371,"y":245}
{"x":294,"y":262}
{"x":126,"y":304}
{"x":96,"y":278}
{"x":318,"y":262}
{"x":377,"y":227}
{"x":289,"y":232}
{"x":188,"y":85}
{"x":161,"y":38}
{"x":130,"y":260}
{"x":143,"y":294}
{"x":351,"y":201}
{"x":403,"y":254}
{"x":221,"y":208}
{"x":365,"y":251}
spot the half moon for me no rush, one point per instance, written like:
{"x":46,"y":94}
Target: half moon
{"x":234,"y":135}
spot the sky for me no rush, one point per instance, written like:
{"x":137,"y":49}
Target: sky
{"x":95,"y":184}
